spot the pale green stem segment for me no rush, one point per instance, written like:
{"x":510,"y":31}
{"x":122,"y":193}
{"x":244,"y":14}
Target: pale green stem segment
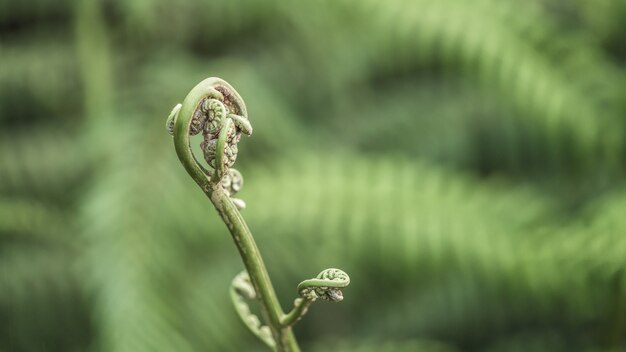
{"x":270,"y":307}
{"x":214,"y":108}
{"x":300,"y":307}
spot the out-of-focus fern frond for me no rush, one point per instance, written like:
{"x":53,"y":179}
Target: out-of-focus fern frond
{"x":41,"y":300}
{"x":386,"y":346}
{"x":43,"y":90}
{"x":452,"y":31}
{"x":15,"y":13}
{"x":481,"y":255}
{"x":46,"y":161}
{"x":153,"y":23}
{"x":27,"y":220}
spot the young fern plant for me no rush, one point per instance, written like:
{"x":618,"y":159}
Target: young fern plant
{"x":216,"y":110}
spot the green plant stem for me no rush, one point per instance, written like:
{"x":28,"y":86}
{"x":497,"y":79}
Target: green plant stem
{"x":270,"y":307}
{"x":220,"y":152}
{"x":253,"y":262}
{"x":300,"y":308}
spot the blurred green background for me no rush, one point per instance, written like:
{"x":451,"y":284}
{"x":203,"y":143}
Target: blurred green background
{"x":462,"y":160}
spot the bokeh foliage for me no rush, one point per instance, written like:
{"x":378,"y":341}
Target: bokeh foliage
{"x":462,"y":160}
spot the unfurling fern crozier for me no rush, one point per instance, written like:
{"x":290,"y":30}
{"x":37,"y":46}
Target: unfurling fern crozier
{"x":214,"y":109}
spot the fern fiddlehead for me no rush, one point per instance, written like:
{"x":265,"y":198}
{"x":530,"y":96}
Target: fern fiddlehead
{"x":216,"y":110}
{"x":327,"y":285}
{"x":241,"y":290}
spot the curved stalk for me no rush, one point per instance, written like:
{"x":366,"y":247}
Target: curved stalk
{"x":283,"y":336}
{"x":210,"y":183}
{"x":216,"y":110}
{"x":300,"y":307}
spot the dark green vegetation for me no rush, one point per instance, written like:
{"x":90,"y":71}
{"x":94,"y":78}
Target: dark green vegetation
{"x":462,"y":160}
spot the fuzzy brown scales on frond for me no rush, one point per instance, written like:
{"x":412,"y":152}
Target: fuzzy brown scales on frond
{"x":231,"y":101}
